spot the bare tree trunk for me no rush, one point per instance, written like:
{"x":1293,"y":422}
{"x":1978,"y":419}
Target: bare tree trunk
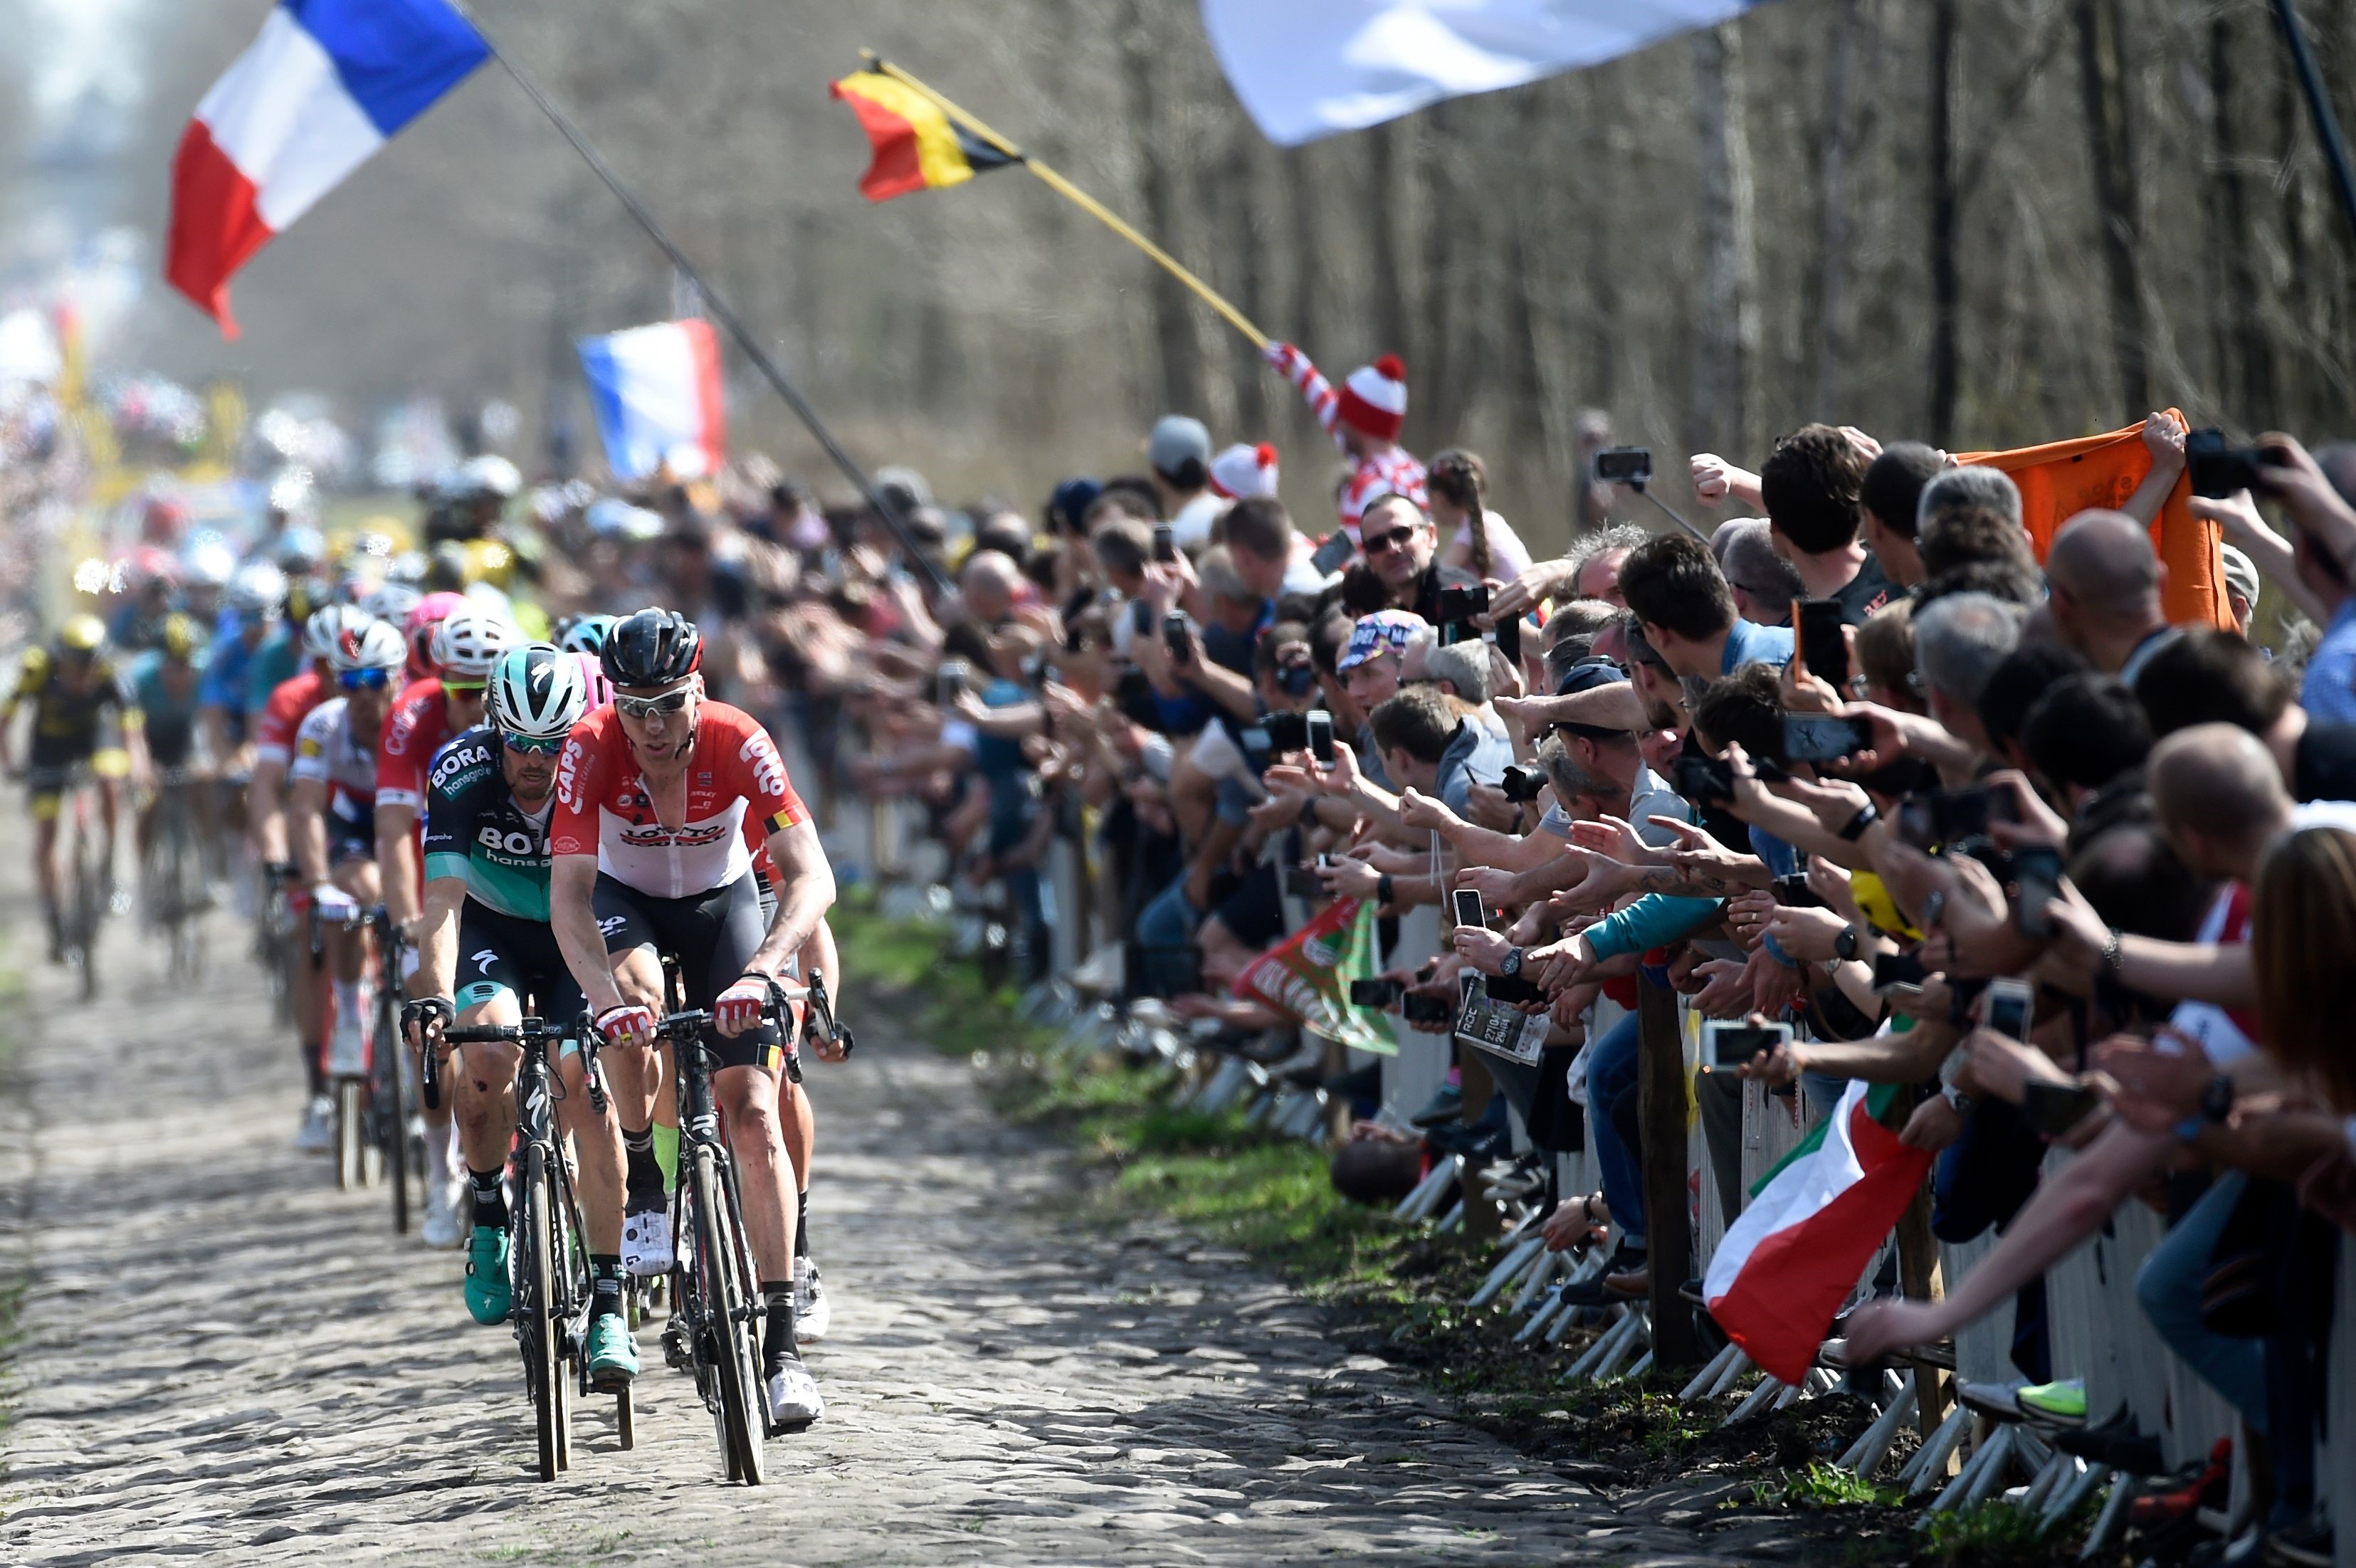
{"x":2102,"y":73}
{"x":1388,"y":181}
{"x":1946,"y":287}
{"x":2245,"y":368}
{"x":1832,"y":275}
{"x":1174,"y":335}
{"x":1249,"y":242}
{"x":1725,"y":348}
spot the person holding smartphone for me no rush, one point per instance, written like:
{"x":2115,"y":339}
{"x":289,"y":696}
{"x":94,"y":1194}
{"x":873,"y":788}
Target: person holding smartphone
{"x":1812,"y":485}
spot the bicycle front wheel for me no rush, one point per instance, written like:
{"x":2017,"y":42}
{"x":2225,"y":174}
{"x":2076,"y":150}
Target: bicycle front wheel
{"x":536,"y":1313}
{"x":351,"y":1151}
{"x":390,"y":1092}
{"x":742,"y":1398}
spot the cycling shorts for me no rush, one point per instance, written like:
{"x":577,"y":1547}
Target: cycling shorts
{"x":351,"y":830}
{"x":713,"y":935}
{"x":48,"y":779}
{"x":501,"y":955}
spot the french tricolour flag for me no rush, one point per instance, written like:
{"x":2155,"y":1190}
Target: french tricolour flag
{"x":656,"y":390}
{"x":327,"y":83}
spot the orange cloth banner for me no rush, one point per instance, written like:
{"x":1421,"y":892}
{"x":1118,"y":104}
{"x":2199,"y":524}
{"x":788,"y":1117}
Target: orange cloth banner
{"x":2060,"y":480}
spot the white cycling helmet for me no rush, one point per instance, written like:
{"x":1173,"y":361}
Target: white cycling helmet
{"x":259,"y":589}
{"x":585,"y":634}
{"x":468,"y":642}
{"x":536,"y":691}
{"x":326,"y":630}
{"x":373,"y":646}
{"x":391,"y":602}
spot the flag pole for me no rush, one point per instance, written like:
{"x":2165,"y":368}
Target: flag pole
{"x":1078,"y":197}
{"x":717,"y":306}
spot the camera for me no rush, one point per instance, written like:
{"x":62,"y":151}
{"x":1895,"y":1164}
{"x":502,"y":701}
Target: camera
{"x":1379,"y":995}
{"x":2216,"y":469}
{"x":1459,"y":605}
{"x":1424,"y":1009}
{"x":1701,"y":779}
{"x":949,"y":681}
{"x":1791,"y":891}
{"x":1177,"y":638}
{"x":1952,"y":816}
{"x":1521,"y":783}
{"x":1631,"y":465}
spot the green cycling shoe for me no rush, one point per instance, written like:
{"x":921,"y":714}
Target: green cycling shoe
{"x":489,"y":1295}
{"x":613,"y":1354}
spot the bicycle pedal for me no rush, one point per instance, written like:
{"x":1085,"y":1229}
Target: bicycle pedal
{"x":789,"y":1428}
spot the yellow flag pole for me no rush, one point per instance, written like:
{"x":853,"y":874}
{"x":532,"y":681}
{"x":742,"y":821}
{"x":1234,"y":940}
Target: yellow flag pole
{"x":1078,"y":197}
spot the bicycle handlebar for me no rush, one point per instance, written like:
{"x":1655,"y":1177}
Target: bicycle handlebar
{"x":581,"y":1031}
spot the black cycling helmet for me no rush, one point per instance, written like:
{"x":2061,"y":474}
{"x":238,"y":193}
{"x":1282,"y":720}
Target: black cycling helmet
{"x":652,"y":648}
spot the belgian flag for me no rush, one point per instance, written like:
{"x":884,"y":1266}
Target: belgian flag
{"x":917,"y":146}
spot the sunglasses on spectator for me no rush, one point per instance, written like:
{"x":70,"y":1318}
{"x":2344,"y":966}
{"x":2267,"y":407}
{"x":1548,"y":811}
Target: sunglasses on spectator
{"x":646,"y":707}
{"x":1374,"y":544}
{"x":364,"y":680}
{"x":537,"y":745}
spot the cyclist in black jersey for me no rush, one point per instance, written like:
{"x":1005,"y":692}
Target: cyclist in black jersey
{"x":81,"y":717}
{"x":485,"y":952}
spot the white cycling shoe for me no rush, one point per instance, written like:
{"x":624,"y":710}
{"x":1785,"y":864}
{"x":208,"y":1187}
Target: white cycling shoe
{"x":347,"y":1048}
{"x":811,"y":1312}
{"x":448,"y":1204}
{"x":318,"y":1133}
{"x":794,"y":1400}
{"x":647,"y":1249}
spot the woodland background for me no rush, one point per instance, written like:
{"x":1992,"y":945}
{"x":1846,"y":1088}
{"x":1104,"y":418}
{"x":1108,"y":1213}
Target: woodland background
{"x":1979,"y":222}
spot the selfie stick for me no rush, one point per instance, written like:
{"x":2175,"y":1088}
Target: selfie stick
{"x":1676,"y":516}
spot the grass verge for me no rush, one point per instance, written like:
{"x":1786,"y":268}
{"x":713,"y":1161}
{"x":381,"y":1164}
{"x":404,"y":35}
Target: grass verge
{"x":15,"y":1262}
{"x":1398,"y":1290}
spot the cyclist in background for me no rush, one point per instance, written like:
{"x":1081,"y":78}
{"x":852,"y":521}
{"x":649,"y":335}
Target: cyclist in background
{"x":74,"y":691}
{"x":331,"y":817}
{"x":648,"y":857}
{"x":254,"y":604}
{"x":273,"y":754}
{"x":488,"y":803}
{"x":137,"y":624}
{"x":464,"y":645}
{"x":162,"y":686}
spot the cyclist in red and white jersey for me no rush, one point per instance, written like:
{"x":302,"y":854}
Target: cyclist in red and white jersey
{"x":464,"y":644}
{"x":291,"y":702}
{"x":331,"y":817}
{"x":648,"y":855}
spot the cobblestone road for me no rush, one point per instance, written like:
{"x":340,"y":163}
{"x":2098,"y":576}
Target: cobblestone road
{"x":224,"y":1360}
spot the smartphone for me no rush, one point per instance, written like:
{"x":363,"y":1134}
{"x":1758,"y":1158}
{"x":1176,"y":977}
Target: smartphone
{"x":1461,"y":604}
{"x":1287,"y":732}
{"x":1891,"y":969}
{"x":1733,"y":1045}
{"x":1333,"y":553}
{"x":1512,"y":990}
{"x":1467,"y":909}
{"x":1823,"y":650}
{"x":1791,"y":891}
{"x":2007,"y":1008}
{"x":1951,"y":816}
{"x":1140,"y":617}
{"x":1424,"y":1009}
{"x":2217,"y":470}
{"x":1165,"y":543}
{"x":1521,"y":784}
{"x":1624,"y":466}
{"x":1176,"y":638}
{"x":1321,"y":738}
{"x":2036,"y":879}
{"x":1379,"y":995}
{"x":949,"y":681}
{"x":1701,"y":779}
{"x":1301,"y":882}
{"x":1821,"y":738}
{"x":2053,"y":1109}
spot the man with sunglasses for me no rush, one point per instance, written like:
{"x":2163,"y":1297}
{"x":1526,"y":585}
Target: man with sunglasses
{"x":331,"y":818}
{"x":650,"y":857}
{"x":1401,"y":550}
{"x":463,"y":647}
{"x":488,"y":798}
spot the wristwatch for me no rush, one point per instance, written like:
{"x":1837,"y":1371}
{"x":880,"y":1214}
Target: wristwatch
{"x":2217,"y":1099}
{"x":2113,"y":953}
{"x":1511,"y":965}
{"x":1845,"y":944}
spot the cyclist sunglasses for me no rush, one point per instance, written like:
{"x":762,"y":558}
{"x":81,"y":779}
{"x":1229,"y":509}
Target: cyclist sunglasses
{"x":364,"y":680}
{"x":646,"y":707}
{"x":462,"y":688}
{"x":539,"y":745}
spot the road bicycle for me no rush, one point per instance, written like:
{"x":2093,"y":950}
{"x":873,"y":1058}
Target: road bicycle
{"x":547,"y":1266}
{"x":174,"y":887}
{"x":82,"y":891}
{"x":387,"y":1113}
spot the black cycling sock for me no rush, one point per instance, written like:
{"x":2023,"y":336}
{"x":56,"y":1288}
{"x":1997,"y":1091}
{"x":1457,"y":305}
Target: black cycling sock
{"x":605,"y":1284}
{"x":646,"y":1171}
{"x":313,"y":1073}
{"x":490,"y":1197}
{"x":777,"y":1339}
{"x":801,"y":1223}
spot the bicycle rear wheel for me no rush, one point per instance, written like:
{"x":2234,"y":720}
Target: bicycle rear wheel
{"x":537,"y":1323}
{"x":388,"y":1091}
{"x":744,"y":1403}
{"x":87,"y":896}
{"x":351,"y":1150}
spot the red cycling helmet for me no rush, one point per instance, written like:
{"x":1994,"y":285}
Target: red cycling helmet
{"x":423,"y":622}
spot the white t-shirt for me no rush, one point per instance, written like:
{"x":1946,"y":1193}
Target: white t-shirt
{"x":1508,"y":556}
{"x":2221,"y":1039}
{"x":1190,"y":528}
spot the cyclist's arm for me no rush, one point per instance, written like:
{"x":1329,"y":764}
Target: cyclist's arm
{"x":804,"y":884}
{"x":437,"y":943}
{"x":573,"y":916}
{"x":267,"y":804}
{"x":396,"y":861}
{"x":306,"y":806}
{"x":819,"y":956}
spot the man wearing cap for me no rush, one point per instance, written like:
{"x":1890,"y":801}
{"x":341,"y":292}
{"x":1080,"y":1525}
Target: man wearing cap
{"x":1179,"y":452}
{"x":1370,"y":670}
{"x":1363,"y":418}
{"x":2242,"y":587}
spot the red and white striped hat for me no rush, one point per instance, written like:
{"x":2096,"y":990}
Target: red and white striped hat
{"x":1243,"y":470}
{"x":1375,"y":398}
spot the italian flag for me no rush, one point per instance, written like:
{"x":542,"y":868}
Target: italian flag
{"x":1793,"y":1256}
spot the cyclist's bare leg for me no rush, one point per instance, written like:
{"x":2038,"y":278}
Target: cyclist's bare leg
{"x":748,"y":1104}
{"x":800,"y":1130}
{"x":482,"y":1086}
{"x":597,"y":1152}
{"x":110,"y":811}
{"x":45,"y":859}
